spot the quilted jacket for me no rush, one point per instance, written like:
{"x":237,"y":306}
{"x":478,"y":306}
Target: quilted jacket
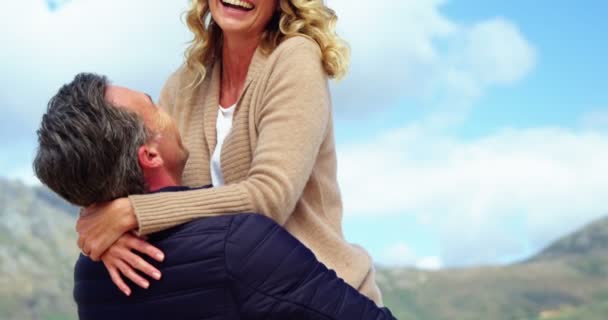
{"x":242,"y":266}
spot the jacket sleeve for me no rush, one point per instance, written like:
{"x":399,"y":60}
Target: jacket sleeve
{"x":276,"y":277}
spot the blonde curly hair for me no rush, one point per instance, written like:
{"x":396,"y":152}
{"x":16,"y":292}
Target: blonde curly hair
{"x":308,"y":18}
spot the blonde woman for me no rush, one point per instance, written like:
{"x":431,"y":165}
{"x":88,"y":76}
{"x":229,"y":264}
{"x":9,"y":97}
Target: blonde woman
{"x":253,"y":107}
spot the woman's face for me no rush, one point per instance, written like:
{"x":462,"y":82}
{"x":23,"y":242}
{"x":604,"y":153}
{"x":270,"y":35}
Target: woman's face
{"x":242,"y":18}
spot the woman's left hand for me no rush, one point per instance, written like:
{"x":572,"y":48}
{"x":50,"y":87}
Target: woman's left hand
{"x":100,"y":225}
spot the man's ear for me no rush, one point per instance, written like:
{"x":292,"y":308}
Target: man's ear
{"x":149,"y":157}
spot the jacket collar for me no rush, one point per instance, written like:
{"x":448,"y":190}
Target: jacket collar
{"x":178,"y":188}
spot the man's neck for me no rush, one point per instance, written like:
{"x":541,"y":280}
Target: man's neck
{"x":160,"y":179}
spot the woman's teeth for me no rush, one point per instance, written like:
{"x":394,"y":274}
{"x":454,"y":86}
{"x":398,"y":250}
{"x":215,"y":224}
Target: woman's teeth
{"x":238,"y":3}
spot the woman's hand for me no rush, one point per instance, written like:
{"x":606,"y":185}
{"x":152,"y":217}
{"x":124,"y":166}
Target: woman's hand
{"x":100,"y":225}
{"x":120,"y":259}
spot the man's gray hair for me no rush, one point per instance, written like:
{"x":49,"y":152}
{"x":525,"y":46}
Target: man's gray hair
{"x":87,"y":147}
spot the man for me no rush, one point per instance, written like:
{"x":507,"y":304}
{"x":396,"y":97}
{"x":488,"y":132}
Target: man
{"x":98,"y":142}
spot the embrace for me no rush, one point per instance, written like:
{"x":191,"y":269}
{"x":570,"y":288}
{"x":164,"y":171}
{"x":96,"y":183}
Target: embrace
{"x":222,"y":202}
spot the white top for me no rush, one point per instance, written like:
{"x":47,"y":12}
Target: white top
{"x":223,"y":126}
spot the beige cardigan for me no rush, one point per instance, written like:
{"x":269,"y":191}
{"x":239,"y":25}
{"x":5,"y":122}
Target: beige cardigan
{"x":279,"y":160}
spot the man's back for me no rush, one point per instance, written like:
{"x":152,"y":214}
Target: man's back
{"x":231,"y":267}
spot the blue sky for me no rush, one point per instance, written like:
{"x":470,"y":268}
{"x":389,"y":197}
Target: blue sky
{"x":469,"y":132}
{"x":567,"y":80}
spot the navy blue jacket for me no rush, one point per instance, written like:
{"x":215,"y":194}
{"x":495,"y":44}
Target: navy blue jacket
{"x":241,"y":266}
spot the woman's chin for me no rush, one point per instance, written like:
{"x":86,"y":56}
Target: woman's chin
{"x":232,"y":27}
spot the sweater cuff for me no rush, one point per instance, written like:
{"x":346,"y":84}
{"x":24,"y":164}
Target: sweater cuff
{"x":159,"y":211}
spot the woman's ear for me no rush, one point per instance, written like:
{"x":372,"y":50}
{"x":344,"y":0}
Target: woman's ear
{"x":149,"y":157}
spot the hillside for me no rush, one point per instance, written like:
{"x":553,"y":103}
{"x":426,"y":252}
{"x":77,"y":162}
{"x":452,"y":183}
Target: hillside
{"x":37,"y":252}
{"x":590,"y":240}
{"x":566,"y":281}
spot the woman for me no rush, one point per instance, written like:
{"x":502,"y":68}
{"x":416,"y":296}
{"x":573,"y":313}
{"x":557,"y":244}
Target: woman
{"x":253,"y":106}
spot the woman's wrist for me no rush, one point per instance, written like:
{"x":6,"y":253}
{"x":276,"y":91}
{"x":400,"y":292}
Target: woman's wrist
{"x":129,"y":220}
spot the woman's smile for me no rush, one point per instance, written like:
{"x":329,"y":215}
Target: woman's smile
{"x":238,"y":5}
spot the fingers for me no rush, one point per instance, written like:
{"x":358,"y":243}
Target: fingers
{"x":94,"y":252}
{"x":128,"y":272}
{"x":79,"y":230}
{"x":136,"y":262}
{"x":81,"y":218}
{"x":97,"y":246}
{"x":80,"y":242}
{"x":117,"y":279}
{"x":144,"y":247}
{"x":85,"y":248}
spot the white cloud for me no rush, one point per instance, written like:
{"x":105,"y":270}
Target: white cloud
{"x":409,"y":49}
{"x":497,"y":52}
{"x":400,"y":254}
{"x":134,"y":42}
{"x":429,"y":263}
{"x":23,"y":174}
{"x":489,"y":197}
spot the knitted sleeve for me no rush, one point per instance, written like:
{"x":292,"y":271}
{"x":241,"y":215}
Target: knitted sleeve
{"x":292,"y":122}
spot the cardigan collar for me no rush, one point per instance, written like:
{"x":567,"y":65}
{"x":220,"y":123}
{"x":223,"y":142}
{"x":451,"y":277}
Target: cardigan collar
{"x":212,"y":99}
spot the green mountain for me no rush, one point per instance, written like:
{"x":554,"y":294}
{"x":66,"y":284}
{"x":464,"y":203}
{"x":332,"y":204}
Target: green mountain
{"x":566,"y":281}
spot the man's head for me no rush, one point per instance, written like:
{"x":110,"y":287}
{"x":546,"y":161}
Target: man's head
{"x":99,"y":142}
